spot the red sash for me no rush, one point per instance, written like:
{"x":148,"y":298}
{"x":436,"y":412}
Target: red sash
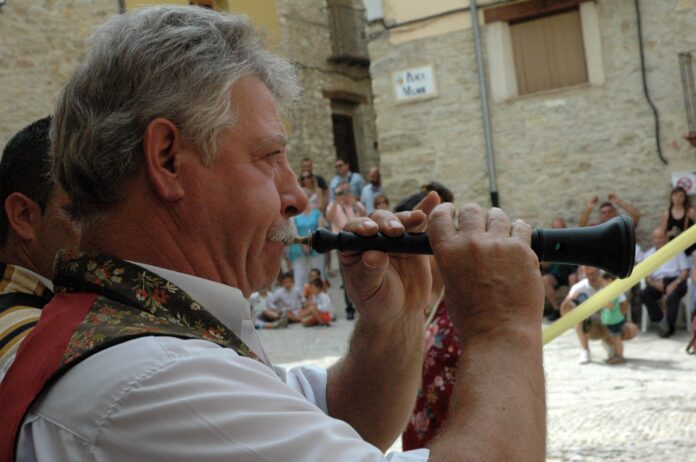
{"x":38,"y":362}
{"x":75,"y":325}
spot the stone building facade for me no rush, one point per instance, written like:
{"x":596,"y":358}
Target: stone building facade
{"x":43,"y":41}
{"x":336,"y":88}
{"x":553,"y":149}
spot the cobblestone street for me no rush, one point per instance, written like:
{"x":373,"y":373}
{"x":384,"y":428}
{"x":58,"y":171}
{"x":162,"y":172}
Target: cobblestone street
{"x":644,"y":410}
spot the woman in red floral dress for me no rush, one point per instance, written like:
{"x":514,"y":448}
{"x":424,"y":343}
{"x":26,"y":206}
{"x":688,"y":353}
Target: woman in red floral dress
{"x":439,"y":372}
{"x":441,"y":351}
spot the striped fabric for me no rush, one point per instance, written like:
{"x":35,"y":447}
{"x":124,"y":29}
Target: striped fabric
{"x":21,"y":298}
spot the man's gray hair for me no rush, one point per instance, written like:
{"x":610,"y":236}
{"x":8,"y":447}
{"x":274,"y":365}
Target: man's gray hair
{"x":178,"y":63}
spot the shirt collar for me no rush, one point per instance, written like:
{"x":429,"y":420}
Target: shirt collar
{"x":20,"y":279}
{"x":46,"y":282}
{"x":225,"y":302}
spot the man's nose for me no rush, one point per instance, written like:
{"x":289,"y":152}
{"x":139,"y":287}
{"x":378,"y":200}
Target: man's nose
{"x":293,"y":199}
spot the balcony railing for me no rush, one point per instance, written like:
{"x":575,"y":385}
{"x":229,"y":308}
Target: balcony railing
{"x":689,"y":87}
{"x":347,"y":25}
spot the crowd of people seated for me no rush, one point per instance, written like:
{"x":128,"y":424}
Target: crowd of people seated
{"x":331,"y":205}
{"x":661,"y":292}
{"x":347,"y":195}
{"x":310,"y":306}
{"x":301,"y":299}
{"x":612,"y":324}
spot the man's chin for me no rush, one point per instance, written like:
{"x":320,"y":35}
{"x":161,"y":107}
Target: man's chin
{"x":265,"y":283}
{"x":270,"y":274}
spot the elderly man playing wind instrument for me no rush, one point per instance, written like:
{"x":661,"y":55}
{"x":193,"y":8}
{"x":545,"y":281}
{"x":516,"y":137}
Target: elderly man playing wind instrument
{"x":169,"y":141}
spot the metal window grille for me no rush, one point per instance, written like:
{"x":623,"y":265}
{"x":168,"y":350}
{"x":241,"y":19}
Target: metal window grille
{"x":347,"y":25}
{"x":687,"y":76}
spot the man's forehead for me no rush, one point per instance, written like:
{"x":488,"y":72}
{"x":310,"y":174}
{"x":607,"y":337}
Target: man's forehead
{"x":257,"y":109}
{"x":278,"y":138}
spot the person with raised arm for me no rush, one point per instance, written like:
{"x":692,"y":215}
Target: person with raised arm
{"x":607,"y":210}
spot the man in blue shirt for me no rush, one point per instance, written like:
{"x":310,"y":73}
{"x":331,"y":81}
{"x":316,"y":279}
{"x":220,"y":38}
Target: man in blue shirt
{"x":372,"y":189}
{"x":343,"y":174}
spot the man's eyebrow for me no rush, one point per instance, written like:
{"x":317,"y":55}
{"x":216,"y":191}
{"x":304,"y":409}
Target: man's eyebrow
{"x":270,"y":142}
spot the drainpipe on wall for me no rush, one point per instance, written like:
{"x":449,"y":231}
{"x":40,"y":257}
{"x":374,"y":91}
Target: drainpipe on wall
{"x":492,"y":184}
{"x":656,"y":115}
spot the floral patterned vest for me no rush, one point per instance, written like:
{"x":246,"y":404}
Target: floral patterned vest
{"x":100,"y":301}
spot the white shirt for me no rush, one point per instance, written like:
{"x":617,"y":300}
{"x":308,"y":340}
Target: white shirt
{"x":323,"y":301}
{"x":285,"y":300}
{"x":46,"y":282}
{"x":368,"y":194}
{"x":640,"y":255}
{"x":258,"y":303}
{"x":672,"y":267}
{"x":169,"y":399}
{"x":583,"y":287}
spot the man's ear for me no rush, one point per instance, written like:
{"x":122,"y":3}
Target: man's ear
{"x":164,"y":148}
{"x":23,"y":215}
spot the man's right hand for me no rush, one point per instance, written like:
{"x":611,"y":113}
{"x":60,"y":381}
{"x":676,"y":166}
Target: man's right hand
{"x":490,"y":272}
{"x":374,"y":386}
{"x":384,"y":286}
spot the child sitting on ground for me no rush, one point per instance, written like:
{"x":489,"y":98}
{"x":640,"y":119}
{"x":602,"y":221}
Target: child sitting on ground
{"x":257,"y":302}
{"x":313,"y":274}
{"x":318,"y":308}
{"x":283,"y":304}
{"x":613,"y":318}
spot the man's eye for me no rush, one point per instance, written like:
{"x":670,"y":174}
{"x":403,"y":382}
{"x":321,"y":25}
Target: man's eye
{"x":274,"y":156}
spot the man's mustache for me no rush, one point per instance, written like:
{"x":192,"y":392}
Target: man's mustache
{"x":285,"y":232}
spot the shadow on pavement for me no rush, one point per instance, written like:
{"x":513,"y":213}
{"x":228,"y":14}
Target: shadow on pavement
{"x":642,"y":363}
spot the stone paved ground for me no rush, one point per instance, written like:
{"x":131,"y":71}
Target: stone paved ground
{"x":644,"y":410}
